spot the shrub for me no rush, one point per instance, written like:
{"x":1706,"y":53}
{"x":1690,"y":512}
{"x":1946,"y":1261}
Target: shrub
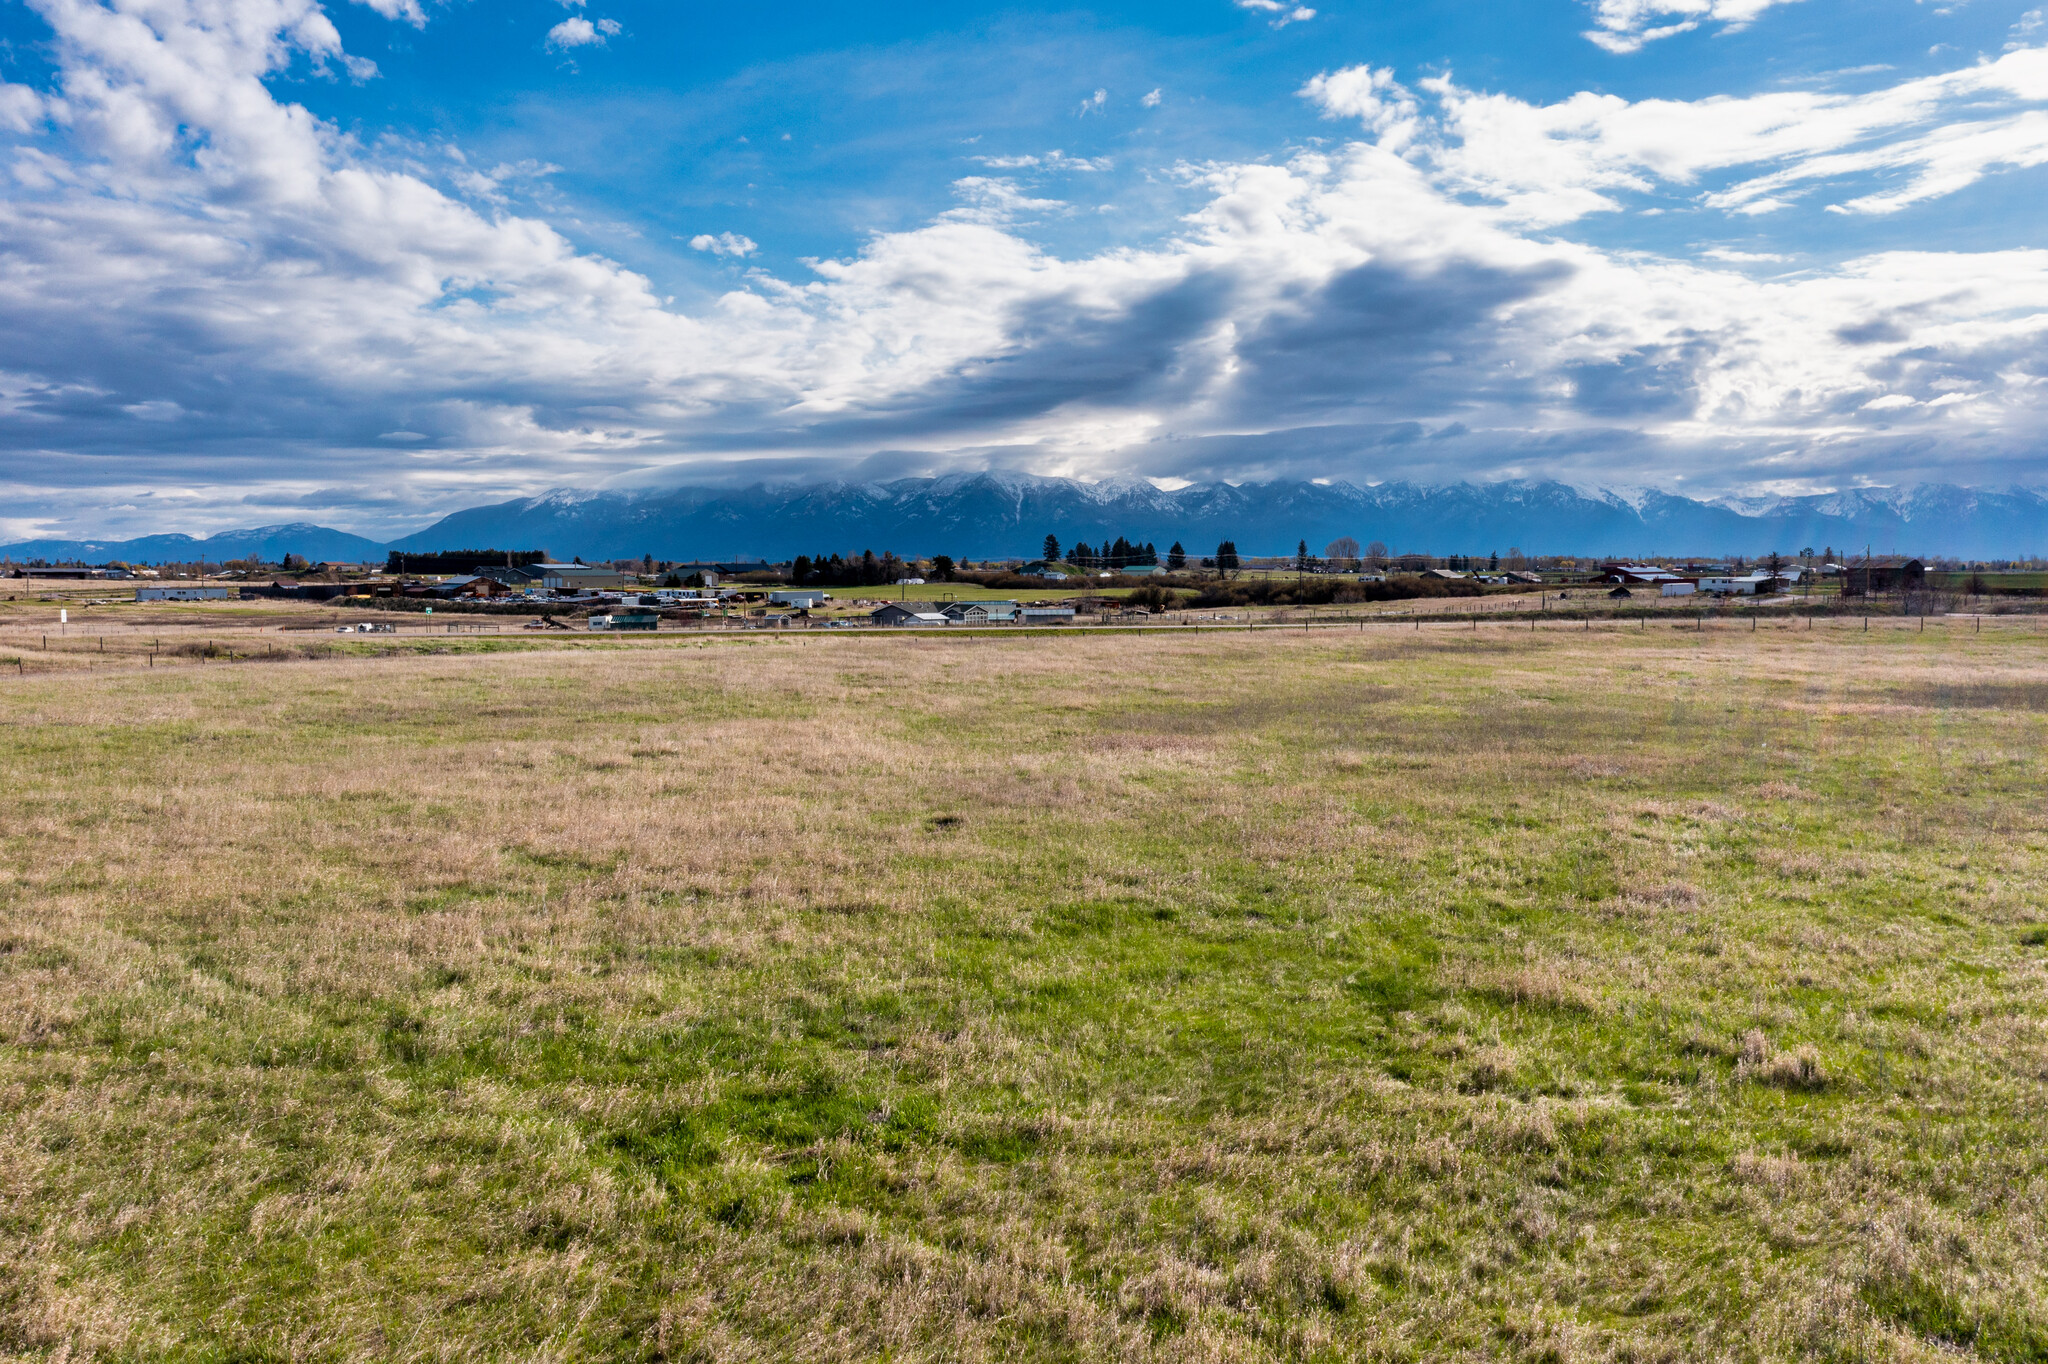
{"x":1326,"y":591}
{"x":1785,"y":1069}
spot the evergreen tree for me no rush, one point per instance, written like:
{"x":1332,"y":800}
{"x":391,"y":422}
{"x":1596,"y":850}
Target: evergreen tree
{"x":1302,"y":561}
{"x":800,"y":571}
{"x":1052,"y":549}
{"x":1176,"y":558}
{"x":1226,"y":557}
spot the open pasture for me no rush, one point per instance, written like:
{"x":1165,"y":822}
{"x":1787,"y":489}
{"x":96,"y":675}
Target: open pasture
{"x":1393,"y":995}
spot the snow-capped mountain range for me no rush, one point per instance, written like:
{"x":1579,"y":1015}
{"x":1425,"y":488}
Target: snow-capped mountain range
{"x":989,"y":515}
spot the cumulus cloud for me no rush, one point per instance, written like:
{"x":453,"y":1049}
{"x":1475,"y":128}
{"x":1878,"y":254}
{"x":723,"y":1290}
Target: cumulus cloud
{"x":1151,"y":99}
{"x":1374,"y":98}
{"x":581,"y":32}
{"x":724,"y":244}
{"x":202,"y":262}
{"x":1624,"y":26}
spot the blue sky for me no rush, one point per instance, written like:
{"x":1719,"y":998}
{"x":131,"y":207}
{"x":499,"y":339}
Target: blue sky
{"x":370,"y":262}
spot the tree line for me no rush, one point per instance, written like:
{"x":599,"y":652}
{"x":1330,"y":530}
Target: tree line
{"x":844,"y":570}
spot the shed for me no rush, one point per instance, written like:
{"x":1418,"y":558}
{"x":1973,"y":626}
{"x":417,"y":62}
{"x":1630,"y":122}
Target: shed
{"x":1888,"y":573}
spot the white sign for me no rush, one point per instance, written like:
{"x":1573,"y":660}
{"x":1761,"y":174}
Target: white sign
{"x":63,"y":617}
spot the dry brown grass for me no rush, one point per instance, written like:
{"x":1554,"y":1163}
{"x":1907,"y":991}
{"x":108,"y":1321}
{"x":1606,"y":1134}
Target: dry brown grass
{"x":1291,"y":997}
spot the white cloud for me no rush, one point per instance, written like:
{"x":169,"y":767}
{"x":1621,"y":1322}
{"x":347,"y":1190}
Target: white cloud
{"x":1054,"y":160}
{"x":1285,"y":11}
{"x":1151,"y":99}
{"x":1722,"y":253}
{"x":994,"y":200}
{"x":407,"y":10}
{"x":1095,"y":103}
{"x":1373,"y":97}
{"x":1557,"y":162}
{"x":189,"y":225}
{"x":581,"y":32}
{"x":1624,"y":26}
{"x":2027,"y":29}
{"x":21,"y":108}
{"x":724,"y":244}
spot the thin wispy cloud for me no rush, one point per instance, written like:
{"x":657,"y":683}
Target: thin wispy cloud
{"x":1625,"y":26}
{"x":1281,"y":12}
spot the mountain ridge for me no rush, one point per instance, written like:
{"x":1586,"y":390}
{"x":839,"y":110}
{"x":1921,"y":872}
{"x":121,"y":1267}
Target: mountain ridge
{"x":995,"y":515}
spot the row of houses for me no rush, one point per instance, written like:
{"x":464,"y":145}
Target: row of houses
{"x":970,"y":613}
{"x":1893,"y":573}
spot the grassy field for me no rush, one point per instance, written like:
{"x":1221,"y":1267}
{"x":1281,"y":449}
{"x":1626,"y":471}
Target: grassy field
{"x":2000,"y":580}
{"x":1616,"y":995}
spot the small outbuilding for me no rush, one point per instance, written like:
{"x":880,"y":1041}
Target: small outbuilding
{"x":1889,"y":573}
